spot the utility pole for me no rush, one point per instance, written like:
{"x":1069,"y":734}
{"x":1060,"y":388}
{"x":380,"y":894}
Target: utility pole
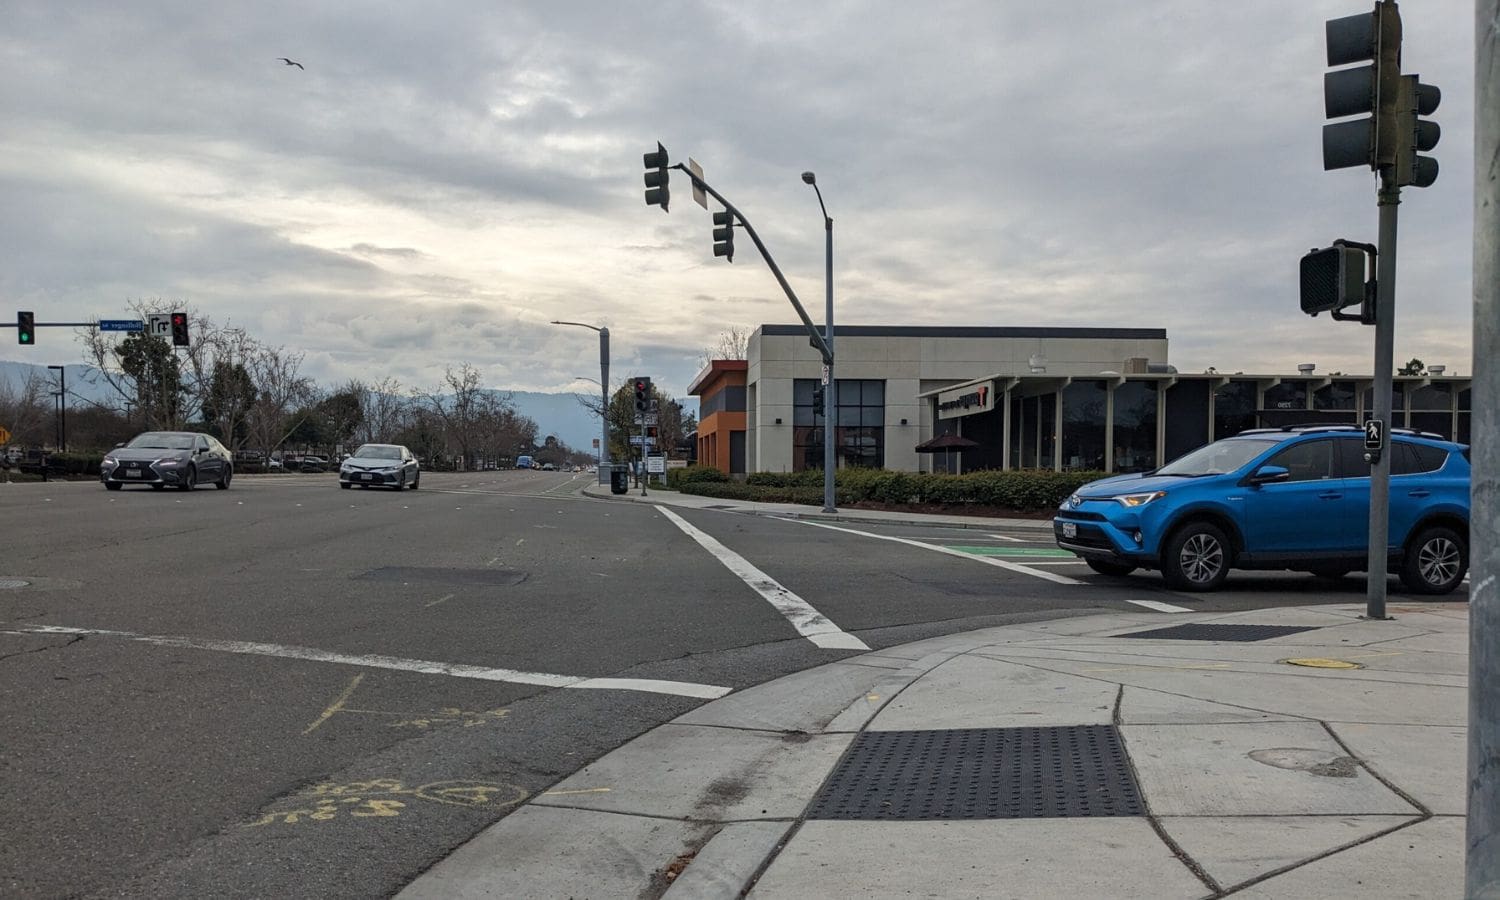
{"x":1482,"y":861}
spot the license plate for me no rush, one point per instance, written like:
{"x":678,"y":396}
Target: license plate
{"x":1070,"y":530}
{"x":366,"y":477}
{"x":132,"y":473}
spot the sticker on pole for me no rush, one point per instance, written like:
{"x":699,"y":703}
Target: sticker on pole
{"x":1374,"y":434}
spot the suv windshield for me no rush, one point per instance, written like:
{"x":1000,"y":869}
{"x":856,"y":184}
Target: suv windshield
{"x":159,"y":440}
{"x":377,"y":451}
{"x":1217,"y":458}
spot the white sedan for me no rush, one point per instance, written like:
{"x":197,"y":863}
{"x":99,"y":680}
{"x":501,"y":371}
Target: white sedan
{"x":381,"y":465}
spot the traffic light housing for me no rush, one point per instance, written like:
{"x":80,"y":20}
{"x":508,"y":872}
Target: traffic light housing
{"x":1415,"y":135}
{"x":724,"y":234}
{"x":1368,"y":91}
{"x":26,"y":328}
{"x":1332,"y":278}
{"x":179,"y":329}
{"x":657,"y":191}
{"x":642,"y":395}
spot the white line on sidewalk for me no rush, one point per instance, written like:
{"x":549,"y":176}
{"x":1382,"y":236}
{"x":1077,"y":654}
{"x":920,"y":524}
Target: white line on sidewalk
{"x":422,"y":666}
{"x":991,"y":561}
{"x":810,"y":623}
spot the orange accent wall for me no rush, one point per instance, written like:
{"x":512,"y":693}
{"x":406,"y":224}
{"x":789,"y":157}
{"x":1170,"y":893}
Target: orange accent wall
{"x":714,"y":429}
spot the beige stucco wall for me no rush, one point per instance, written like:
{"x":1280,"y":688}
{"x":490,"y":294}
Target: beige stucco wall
{"x":908,"y":365}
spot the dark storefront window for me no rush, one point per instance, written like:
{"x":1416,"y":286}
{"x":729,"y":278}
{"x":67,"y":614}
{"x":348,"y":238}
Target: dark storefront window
{"x":1398,"y":403}
{"x":1336,"y":396}
{"x":1033,"y":424}
{"x":1083,"y":425}
{"x":1135,"y":426}
{"x":859,"y":439}
{"x":1431,"y":398}
{"x":1287,"y":395}
{"x":1234,"y":408}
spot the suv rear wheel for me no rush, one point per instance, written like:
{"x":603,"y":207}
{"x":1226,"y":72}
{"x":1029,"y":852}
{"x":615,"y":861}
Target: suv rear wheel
{"x":1196,"y":558}
{"x":1436,"y":561}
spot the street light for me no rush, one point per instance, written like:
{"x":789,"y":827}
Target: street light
{"x":62,"y":408}
{"x":832,"y":387}
{"x":603,"y":388}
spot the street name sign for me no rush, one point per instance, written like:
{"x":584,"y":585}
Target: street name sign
{"x":123,"y":324}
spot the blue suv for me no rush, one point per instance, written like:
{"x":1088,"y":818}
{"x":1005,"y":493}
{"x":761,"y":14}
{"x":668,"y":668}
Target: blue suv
{"x":1294,"y":498}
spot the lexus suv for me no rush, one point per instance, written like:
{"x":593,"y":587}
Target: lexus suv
{"x":1294,"y":498}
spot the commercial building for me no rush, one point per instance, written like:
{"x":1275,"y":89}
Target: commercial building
{"x":1055,"y":398}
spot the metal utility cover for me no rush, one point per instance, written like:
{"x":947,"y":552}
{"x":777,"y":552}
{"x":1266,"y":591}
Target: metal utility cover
{"x":498,"y":575}
{"x":982,"y":773}
{"x":1208,"y":632}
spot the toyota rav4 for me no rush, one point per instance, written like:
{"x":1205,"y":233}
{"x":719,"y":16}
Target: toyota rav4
{"x":1294,"y":498}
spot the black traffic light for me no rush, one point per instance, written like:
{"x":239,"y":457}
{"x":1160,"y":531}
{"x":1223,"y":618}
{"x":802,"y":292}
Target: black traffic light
{"x":724,"y":234}
{"x":1332,"y":278}
{"x":657,"y":192}
{"x":179,"y":329}
{"x":642,"y":394}
{"x":818,"y":400}
{"x":26,"y":328}
{"x":1416,"y":135}
{"x":1367,"y":91}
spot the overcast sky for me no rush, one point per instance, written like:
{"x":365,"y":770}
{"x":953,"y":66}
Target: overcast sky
{"x":444,"y":178}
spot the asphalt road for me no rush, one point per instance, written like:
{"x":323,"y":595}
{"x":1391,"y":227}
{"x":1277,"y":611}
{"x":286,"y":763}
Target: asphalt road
{"x":288,"y":689}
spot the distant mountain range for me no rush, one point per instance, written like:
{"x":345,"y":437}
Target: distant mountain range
{"x":555,"y":414}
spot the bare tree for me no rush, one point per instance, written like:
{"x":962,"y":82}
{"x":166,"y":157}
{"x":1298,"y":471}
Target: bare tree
{"x":460,"y":408}
{"x":732,"y":343}
{"x":279,"y":390}
{"x":24,"y":410}
{"x":385,"y":411}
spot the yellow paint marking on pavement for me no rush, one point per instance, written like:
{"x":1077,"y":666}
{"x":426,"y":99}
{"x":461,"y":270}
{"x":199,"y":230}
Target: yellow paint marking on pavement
{"x":336,"y":705}
{"x":583,"y":791}
{"x":1320,"y":663}
{"x":439,"y":600}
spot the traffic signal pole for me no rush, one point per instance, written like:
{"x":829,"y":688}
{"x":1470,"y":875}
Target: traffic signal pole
{"x":1385,"y":350}
{"x":1482,"y":861}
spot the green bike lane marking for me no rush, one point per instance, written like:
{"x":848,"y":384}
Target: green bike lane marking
{"x":1045,"y":552}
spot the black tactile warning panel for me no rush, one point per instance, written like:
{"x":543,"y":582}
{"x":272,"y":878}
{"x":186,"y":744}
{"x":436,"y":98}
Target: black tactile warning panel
{"x":1208,"y":632}
{"x":982,"y":773}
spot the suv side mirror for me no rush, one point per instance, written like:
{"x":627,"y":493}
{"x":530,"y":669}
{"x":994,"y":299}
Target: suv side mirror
{"x":1267,"y":474}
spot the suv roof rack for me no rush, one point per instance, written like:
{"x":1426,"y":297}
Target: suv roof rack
{"x":1313,"y":429}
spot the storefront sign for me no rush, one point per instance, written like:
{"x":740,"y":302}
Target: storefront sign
{"x":966,"y":401}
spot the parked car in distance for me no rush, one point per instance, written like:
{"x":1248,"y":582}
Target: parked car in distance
{"x":548,"y":467}
{"x":180,"y":459}
{"x":1292,"y":498}
{"x":524,"y":462}
{"x":381,"y":465}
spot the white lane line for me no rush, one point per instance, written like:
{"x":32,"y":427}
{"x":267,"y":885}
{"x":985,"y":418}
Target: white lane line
{"x":809,"y":623}
{"x":992,"y":561}
{"x":1006,"y":537}
{"x":396,"y":663}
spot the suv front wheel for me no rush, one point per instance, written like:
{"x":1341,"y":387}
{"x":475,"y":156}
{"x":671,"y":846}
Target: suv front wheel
{"x":1435,"y":562}
{"x":1196,"y":558}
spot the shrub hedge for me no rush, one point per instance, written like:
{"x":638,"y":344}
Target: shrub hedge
{"x":676,"y":478}
{"x":1026,"y":490}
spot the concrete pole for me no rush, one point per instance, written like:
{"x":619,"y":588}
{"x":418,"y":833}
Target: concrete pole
{"x":1482,"y":863}
{"x":830,"y":404}
{"x":603,"y":476}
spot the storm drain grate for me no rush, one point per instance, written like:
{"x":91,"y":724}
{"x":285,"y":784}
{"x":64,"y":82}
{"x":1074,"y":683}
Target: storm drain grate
{"x":1206,"y":632}
{"x":498,"y":575}
{"x":982,"y":773}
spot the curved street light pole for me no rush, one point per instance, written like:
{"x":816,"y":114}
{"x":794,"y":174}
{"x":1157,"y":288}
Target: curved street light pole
{"x":604,"y":390}
{"x":829,"y":425}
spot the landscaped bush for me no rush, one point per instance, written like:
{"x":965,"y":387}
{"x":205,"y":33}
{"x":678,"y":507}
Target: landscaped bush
{"x":75,"y":463}
{"x":1027,"y":490}
{"x":676,"y":478}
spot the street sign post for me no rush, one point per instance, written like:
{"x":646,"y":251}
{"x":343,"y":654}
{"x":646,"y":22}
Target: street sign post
{"x":122,"y":324}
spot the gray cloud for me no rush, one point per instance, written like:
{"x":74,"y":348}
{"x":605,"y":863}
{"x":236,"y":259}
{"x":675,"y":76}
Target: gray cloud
{"x":442,"y":180}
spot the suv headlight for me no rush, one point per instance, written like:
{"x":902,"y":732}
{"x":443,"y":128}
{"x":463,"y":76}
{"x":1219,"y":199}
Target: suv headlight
{"x":1134,"y":500}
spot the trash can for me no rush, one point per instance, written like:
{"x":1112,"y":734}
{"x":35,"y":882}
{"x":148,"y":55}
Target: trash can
{"x":619,"y":478}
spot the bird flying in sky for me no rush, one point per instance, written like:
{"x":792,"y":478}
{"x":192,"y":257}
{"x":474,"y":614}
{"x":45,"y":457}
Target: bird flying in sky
{"x":292,"y":62}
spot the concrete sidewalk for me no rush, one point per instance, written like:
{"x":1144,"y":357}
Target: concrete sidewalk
{"x":798,"y":511}
{"x":1076,"y":758}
